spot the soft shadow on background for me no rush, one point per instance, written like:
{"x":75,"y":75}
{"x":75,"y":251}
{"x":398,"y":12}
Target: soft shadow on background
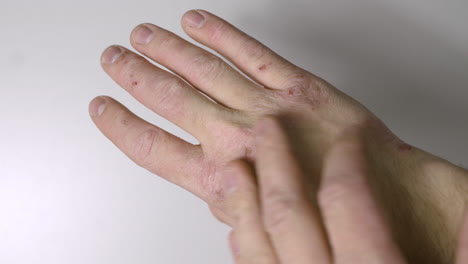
{"x":67,"y":195}
{"x":409,"y":69}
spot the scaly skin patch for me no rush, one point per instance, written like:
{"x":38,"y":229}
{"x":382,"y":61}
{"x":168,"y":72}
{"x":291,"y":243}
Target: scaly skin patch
{"x":237,"y":142}
{"x":265,"y":66}
{"x":312,"y":121}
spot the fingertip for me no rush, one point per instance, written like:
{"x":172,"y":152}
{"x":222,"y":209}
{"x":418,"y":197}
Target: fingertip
{"x":194,"y":18}
{"x":97,"y":106}
{"x":265,"y":125}
{"x":141,"y":34}
{"x":348,"y":150}
{"x":352,"y":135}
{"x":236,"y":174}
{"x":222,"y":215}
{"x":345,"y":169}
{"x":111,"y":54}
{"x":261,"y":127}
{"x":231,"y":178}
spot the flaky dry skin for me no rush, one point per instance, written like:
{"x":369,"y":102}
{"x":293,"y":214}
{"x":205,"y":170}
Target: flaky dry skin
{"x":423,"y":195}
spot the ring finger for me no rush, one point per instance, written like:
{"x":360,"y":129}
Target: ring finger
{"x":199,"y":67}
{"x":161,"y":91}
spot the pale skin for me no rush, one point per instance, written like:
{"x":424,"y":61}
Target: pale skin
{"x":274,"y":221}
{"x":422,"y":196}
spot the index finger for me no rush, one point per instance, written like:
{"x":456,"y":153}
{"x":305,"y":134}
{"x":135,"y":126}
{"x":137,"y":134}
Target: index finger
{"x":293,"y":224}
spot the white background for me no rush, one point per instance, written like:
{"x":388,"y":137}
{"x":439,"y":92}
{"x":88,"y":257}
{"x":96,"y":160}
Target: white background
{"x":67,"y":195}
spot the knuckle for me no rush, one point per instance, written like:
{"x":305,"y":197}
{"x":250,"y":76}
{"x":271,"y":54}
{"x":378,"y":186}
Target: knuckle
{"x":143,"y":147}
{"x":167,"y":42}
{"x":278,"y":208}
{"x":297,"y":82}
{"x":207,"y":68}
{"x":168,"y":90}
{"x":310,"y":89}
{"x":337,"y":192}
{"x":252,"y":49}
{"x":217,"y":31}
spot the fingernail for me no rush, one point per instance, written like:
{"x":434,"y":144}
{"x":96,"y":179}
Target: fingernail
{"x":230,"y":181}
{"x":97,"y":106}
{"x":142,"y":35}
{"x":111,"y":54}
{"x":194,"y":19}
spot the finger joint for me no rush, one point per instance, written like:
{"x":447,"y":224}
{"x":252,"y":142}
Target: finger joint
{"x":217,"y":31}
{"x":338,"y":192}
{"x":169,"y":90}
{"x":143,"y":147}
{"x":279,"y":207}
{"x":253,"y":50}
{"x":206,"y":68}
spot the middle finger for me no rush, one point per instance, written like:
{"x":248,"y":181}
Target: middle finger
{"x":201,"y":68}
{"x":161,"y":91}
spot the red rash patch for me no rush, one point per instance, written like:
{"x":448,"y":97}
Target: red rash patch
{"x":264,"y":66}
{"x":135,"y":83}
{"x":404,"y":147}
{"x":294,"y":91}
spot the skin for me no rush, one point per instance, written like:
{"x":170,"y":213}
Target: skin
{"x":276,"y":223}
{"x":422,"y":195}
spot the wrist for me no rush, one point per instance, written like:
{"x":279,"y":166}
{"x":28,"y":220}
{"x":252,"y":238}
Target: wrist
{"x":423,"y":197}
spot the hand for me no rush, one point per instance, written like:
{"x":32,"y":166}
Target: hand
{"x":276,"y":223}
{"x":407,"y":179}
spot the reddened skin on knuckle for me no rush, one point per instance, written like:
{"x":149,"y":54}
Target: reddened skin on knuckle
{"x":302,"y":87}
{"x":213,"y":184}
{"x":210,"y":182}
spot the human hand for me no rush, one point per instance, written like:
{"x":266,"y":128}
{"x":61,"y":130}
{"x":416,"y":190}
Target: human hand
{"x":276,"y":223}
{"x":313,"y":111}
